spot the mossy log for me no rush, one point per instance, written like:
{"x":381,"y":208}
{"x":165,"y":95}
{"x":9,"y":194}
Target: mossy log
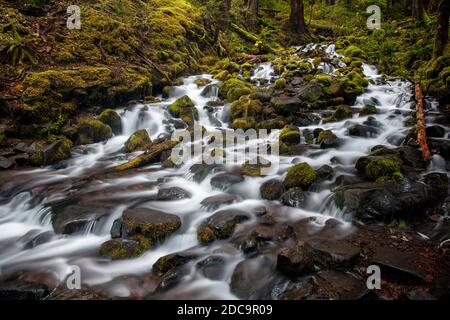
{"x":421,"y":133}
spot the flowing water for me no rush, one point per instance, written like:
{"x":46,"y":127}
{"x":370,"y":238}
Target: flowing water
{"x":27,"y":199}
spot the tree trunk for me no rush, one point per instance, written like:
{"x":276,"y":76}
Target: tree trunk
{"x":297,"y":16}
{"x":418,"y":11}
{"x":253,"y":6}
{"x":441,"y":36}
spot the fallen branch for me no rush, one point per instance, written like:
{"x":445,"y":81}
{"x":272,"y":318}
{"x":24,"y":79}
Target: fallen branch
{"x":421,"y":133}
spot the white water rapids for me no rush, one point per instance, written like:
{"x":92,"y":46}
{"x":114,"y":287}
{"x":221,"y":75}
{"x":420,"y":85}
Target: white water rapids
{"x":24,"y":214}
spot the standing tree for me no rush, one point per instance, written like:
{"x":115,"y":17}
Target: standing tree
{"x":253,"y":6}
{"x":418,"y":11}
{"x":297,"y":16}
{"x":441,"y":36}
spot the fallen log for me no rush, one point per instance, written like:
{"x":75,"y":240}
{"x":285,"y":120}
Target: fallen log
{"x":421,"y":133}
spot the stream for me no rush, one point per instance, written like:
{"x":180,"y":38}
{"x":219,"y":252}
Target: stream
{"x":28,"y":241}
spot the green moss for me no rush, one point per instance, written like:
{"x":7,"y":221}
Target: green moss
{"x":300,"y":175}
{"x":222,"y":75}
{"x":139,"y":140}
{"x":243,"y":123}
{"x":280,"y":84}
{"x":354,"y":51}
{"x":342,"y":112}
{"x":166,"y":92}
{"x":154,"y":232}
{"x":111,"y":118}
{"x":367,"y":109}
{"x":92,"y":131}
{"x":323,"y":79}
{"x":382,"y":167}
{"x":180,"y":106}
{"x":233,"y":89}
{"x":290,"y":135}
{"x":245,"y":107}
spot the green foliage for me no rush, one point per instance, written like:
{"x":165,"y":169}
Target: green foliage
{"x":17,"y":50}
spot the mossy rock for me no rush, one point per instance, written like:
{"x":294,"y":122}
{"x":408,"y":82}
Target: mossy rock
{"x":253,"y":168}
{"x":57,"y":151}
{"x":243,"y":123}
{"x":342,"y":112}
{"x":245,"y":107}
{"x":324,"y":79}
{"x":92,"y":131}
{"x":117,"y":249}
{"x":300,"y":175}
{"x":367,"y":109}
{"x":327,"y":139}
{"x":233,"y":89}
{"x":140,"y":140}
{"x":202,"y":82}
{"x":222,"y":75}
{"x":166,"y":92}
{"x":220,"y":225}
{"x":354,"y":52}
{"x":111,"y":118}
{"x":379,"y":168}
{"x":180,"y":105}
{"x":290,"y":135}
{"x":151,"y":224}
{"x":280,"y":84}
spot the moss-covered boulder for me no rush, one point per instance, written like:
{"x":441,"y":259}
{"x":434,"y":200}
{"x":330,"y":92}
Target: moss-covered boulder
{"x":379,"y":168}
{"x":111,"y":118}
{"x":354,"y":52}
{"x":243,"y":123}
{"x":151,"y":224}
{"x":367,"y":109}
{"x":327,"y":139}
{"x":232,"y":89}
{"x":300,"y":175}
{"x":117,"y":249}
{"x":140,"y":140}
{"x":220,"y":225}
{"x":92,"y":131}
{"x":184,"y":109}
{"x":290,"y":135}
{"x":342,"y":112}
{"x":280,"y":84}
{"x":55,"y":152}
{"x":254,"y":166}
{"x":246,"y":107}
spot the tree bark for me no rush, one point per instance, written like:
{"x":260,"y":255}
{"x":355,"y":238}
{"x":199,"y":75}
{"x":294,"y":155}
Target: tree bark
{"x":297,"y":16}
{"x":253,"y":6}
{"x":441,"y":36}
{"x":421,"y":133}
{"x":418,"y":11}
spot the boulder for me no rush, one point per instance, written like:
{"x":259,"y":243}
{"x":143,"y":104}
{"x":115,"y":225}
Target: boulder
{"x":214,"y":202}
{"x":285,"y":104}
{"x":327,"y":139}
{"x":172,"y":193}
{"x":296,"y":260}
{"x":55,"y":152}
{"x":92,"y":131}
{"x":300,"y":175}
{"x":152,"y":224}
{"x":220,"y":225}
{"x":294,"y":197}
{"x":290,"y":135}
{"x":170,"y":262}
{"x":140,"y":140}
{"x":359,"y":130}
{"x":117,"y":249}
{"x":272,"y":189}
{"x":225,"y":180}
{"x":111,"y":118}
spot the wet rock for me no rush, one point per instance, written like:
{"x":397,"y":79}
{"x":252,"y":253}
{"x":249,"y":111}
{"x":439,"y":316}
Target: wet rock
{"x":285,"y":104}
{"x":214,"y":202}
{"x":252,"y":278}
{"x":296,"y":259}
{"x":210,"y":91}
{"x":329,"y":285}
{"x":272,"y":189}
{"x":327,"y":139}
{"x":359,"y":130}
{"x":74,"y":218}
{"x":116,"y":229}
{"x":300,"y":175}
{"x":116,"y":249}
{"x":170,"y":262}
{"x":20,"y":159}
{"x":21,"y":147}
{"x":435,"y":131}
{"x":140,"y":140}
{"x":294,"y":197}
{"x":5,"y":163}
{"x":220,"y":225}
{"x":212,"y":267}
{"x":383,"y":201}
{"x":33,"y":239}
{"x":367,"y":109}
{"x":225,"y":180}
{"x":438,"y":183}
{"x":290,"y":135}
{"x":111,"y":118}
{"x":334,"y":254}
{"x":149,"y":223}
{"x":310,"y":92}
{"x":85,"y":293}
{"x":91,"y":131}
{"x":345,"y":180}
{"x":200,"y":171}
{"x":57,"y":151}
{"x":325,"y":172}
{"x":172,"y":193}
{"x":23,"y":290}
{"x":398,"y":263}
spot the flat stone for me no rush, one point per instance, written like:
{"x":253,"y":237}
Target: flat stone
{"x":214,"y":202}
